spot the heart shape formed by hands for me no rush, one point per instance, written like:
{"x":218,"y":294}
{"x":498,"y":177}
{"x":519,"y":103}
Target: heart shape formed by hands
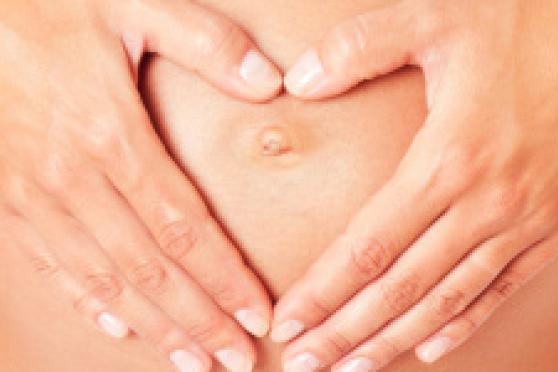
{"x":273,"y":201}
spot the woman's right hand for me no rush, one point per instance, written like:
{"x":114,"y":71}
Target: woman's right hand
{"x":88,"y":191}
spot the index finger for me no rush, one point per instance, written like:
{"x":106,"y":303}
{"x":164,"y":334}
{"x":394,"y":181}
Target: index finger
{"x":201,"y":41}
{"x":360,"y":48}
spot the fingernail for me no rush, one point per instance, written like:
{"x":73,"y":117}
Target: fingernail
{"x":432,"y":350}
{"x":186,"y":362}
{"x":258,"y":72}
{"x":306,"y":74}
{"x":252,"y":322}
{"x":287,"y":331}
{"x":357,"y":365}
{"x":113,"y":326}
{"x":305,"y":362}
{"x":234,"y":360}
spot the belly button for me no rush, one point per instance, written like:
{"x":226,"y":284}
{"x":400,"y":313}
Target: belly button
{"x":274,"y":141}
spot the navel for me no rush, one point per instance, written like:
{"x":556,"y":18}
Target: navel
{"x":274,"y":141}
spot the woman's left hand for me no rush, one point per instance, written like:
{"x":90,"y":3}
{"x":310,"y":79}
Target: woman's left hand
{"x":470,"y":215}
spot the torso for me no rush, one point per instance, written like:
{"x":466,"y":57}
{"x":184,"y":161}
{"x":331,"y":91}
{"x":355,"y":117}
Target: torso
{"x":282,"y":207}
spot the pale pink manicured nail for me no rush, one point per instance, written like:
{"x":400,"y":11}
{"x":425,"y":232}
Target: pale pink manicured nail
{"x":234,"y":361}
{"x":252,"y":322}
{"x":287,"y":330}
{"x":186,"y":362}
{"x":306,"y":74}
{"x":112,"y":325}
{"x":306,"y":362}
{"x":259,"y":72}
{"x":432,"y":350}
{"x":357,"y":365}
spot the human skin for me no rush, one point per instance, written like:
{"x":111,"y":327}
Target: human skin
{"x":282,"y":211}
{"x":488,"y":149}
{"x":80,"y":166}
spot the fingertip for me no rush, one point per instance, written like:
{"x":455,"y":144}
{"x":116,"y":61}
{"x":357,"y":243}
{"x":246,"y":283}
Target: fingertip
{"x":306,"y":361}
{"x":287,"y":321}
{"x":234,"y":360}
{"x":309,"y":79}
{"x":260,"y":75}
{"x":254,"y":78}
{"x":253,"y":310}
{"x":358,"y":364}
{"x":187,"y":361}
{"x":253,"y":322}
{"x":112,"y":325}
{"x":433,"y":349}
{"x":306,"y":75}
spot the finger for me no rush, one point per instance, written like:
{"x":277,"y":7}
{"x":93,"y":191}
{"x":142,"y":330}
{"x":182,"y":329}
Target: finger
{"x":137,"y":164}
{"x":97,"y":291}
{"x":360,"y":48}
{"x":456,"y":291}
{"x":440,"y":248}
{"x":130,"y":246}
{"x":202,"y":41}
{"x":461,"y":328}
{"x":375,"y":237}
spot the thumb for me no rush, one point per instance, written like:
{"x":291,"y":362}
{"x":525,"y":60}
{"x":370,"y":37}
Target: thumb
{"x":199,"y":40}
{"x":363,"y":47}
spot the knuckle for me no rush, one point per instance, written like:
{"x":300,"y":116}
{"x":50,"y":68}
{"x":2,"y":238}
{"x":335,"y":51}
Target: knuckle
{"x":504,"y":203}
{"x":177,"y":239}
{"x":105,"y":140}
{"x":449,"y":303}
{"x":206,"y":330}
{"x":336,"y":343}
{"x":223,"y":292}
{"x":58,"y":172}
{"x":461,"y":157}
{"x":149,"y":276}
{"x":347,"y":44}
{"x":103,"y":287}
{"x":319,"y":306}
{"x":505,"y":286}
{"x":45,"y":265}
{"x":455,"y":169}
{"x":20,"y":192}
{"x":398,"y":294}
{"x":371,"y":258}
{"x":220,"y":40}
